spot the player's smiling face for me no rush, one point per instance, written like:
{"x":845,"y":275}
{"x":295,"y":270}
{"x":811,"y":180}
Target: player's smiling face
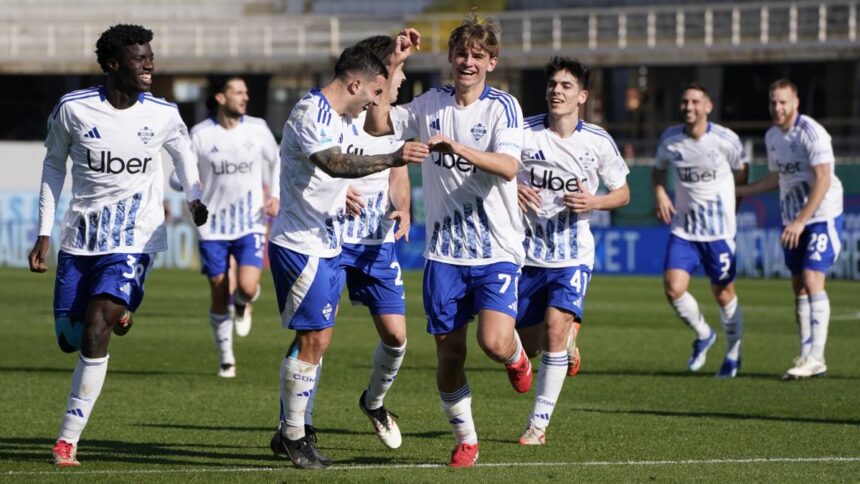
{"x":234,"y":100}
{"x":470,"y":65}
{"x":134,"y":67}
{"x":695,"y":106}
{"x":783,"y":107}
{"x":366,"y":92}
{"x":563,"y":95}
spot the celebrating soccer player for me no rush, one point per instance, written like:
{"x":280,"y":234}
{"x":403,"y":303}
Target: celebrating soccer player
{"x":114,"y":135}
{"x":474,"y":238}
{"x":236,"y":156}
{"x":306,"y":239}
{"x":707,"y":161}
{"x":801,"y":162}
{"x":564,"y":161}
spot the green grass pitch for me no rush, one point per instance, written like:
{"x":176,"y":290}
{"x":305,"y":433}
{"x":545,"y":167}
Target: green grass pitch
{"x":632,"y":415}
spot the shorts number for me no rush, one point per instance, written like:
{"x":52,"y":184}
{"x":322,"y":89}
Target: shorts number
{"x":506,"y":284}
{"x":135,"y":270}
{"x":725,"y":264}
{"x":258,"y":241}
{"x":579,"y":281}
{"x":818,"y":244}
{"x":399,"y":280}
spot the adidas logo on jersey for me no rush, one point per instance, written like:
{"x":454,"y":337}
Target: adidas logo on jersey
{"x":435,"y":124}
{"x":113,"y":165}
{"x":126,"y":288}
{"x":93,"y":133}
{"x":816,"y":256}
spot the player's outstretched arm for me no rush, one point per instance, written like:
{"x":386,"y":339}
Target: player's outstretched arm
{"x":501,"y":164}
{"x":582,"y":200}
{"x":766,"y":183}
{"x":337,"y":164}
{"x":662,"y":202}
{"x":38,"y":254}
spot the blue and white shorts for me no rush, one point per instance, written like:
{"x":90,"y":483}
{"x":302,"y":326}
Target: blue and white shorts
{"x":820,"y":244}
{"x":717,"y":257}
{"x":373,"y":277}
{"x":308,"y":288}
{"x":540,"y":287}
{"x":80,"y":277}
{"x":215,"y":254}
{"x":454,"y":294}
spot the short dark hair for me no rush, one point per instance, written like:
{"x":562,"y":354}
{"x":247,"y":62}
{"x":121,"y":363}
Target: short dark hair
{"x":381,"y":45}
{"x":783,"y":84}
{"x":579,"y":70}
{"x":697,"y":86}
{"x":113,"y":40}
{"x":218,"y":84}
{"x":355,"y":60}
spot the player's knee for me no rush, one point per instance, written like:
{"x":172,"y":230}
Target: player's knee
{"x":494,"y":346}
{"x":69,"y":331}
{"x":673,"y":291}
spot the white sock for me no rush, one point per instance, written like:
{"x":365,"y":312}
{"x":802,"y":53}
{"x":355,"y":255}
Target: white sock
{"x":458,"y":409}
{"x":297,"y":385}
{"x":819,"y":323}
{"x":731,"y":318}
{"x":87,"y":381}
{"x":688,"y":310}
{"x":222,"y":328}
{"x":386,"y":364}
{"x":553,"y":369}
{"x":240,"y":300}
{"x":516,"y":356}
{"x":803,"y":311}
{"x":309,"y":410}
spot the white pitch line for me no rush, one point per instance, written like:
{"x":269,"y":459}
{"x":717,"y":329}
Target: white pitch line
{"x":754,"y":460}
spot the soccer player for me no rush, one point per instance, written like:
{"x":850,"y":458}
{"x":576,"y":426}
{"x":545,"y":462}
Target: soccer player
{"x":564,"y":161}
{"x":801,"y":162}
{"x":236,"y":155}
{"x":114,"y":135}
{"x":707,"y":161}
{"x":305,"y":243}
{"x":474,"y":242}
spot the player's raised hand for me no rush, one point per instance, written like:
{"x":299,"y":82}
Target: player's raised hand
{"x":528,"y":198}
{"x":414,"y":152}
{"x":664,"y":207}
{"x":354,"y":203}
{"x":441,"y":143}
{"x":37,"y":255}
{"x":581,"y":200}
{"x":403,"y":44}
{"x":404,"y":223}
{"x":199,"y":212}
{"x":790,"y":237}
{"x":272,"y":206}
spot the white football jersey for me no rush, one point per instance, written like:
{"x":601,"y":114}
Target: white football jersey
{"x":372,"y":226}
{"x":234,"y":164}
{"x":555,"y":236}
{"x":117,"y":177}
{"x":703,"y":180}
{"x":472,"y":217}
{"x":793,"y":154}
{"x":313,"y":213}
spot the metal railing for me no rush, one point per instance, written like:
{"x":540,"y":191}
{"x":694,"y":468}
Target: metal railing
{"x":200,"y":37}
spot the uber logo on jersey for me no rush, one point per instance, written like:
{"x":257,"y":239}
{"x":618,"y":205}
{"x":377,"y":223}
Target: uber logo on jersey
{"x":452,"y":161}
{"x":547,"y":179}
{"x":354,"y":150}
{"x":789,"y":168}
{"x":478,"y":131}
{"x":691,"y":175}
{"x":145,"y":134}
{"x":230,"y":168}
{"x":106,"y":163}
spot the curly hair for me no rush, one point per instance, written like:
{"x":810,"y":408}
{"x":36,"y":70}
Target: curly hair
{"x":113,"y":40}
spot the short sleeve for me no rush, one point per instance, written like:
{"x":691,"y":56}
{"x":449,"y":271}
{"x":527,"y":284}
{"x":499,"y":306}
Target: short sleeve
{"x":405,"y":119}
{"x":508,"y":138}
{"x":611,"y":166}
{"x":316,"y":129}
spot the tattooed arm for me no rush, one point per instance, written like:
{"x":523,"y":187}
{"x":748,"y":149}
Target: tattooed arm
{"x":337,"y":164}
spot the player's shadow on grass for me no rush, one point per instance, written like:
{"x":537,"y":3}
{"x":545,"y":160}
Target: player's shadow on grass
{"x":111,"y":451}
{"x":730,"y":416}
{"x":699,"y":374}
{"x":68,"y":371}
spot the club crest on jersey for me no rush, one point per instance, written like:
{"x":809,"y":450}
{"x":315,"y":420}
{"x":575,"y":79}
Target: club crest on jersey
{"x":587,"y":160}
{"x":327,"y":311}
{"x":145,"y":134}
{"x":478,"y":131}
{"x":248,"y":145}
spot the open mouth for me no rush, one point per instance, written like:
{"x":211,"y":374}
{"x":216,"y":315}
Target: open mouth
{"x":145,"y":78}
